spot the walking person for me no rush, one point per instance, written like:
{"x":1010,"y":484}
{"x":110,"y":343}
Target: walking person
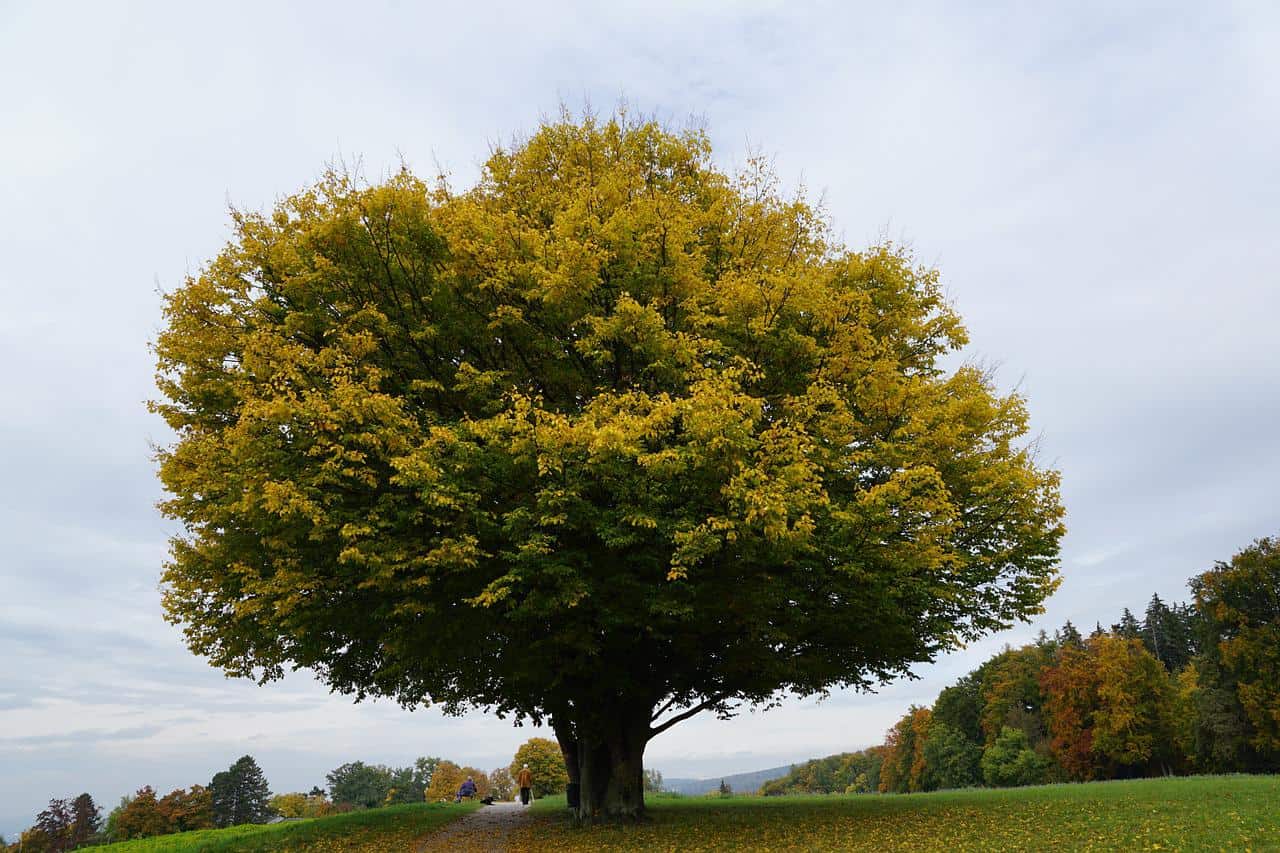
{"x":525,"y":780}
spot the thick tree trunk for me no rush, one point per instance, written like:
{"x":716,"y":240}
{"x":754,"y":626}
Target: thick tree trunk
{"x":609,"y":769}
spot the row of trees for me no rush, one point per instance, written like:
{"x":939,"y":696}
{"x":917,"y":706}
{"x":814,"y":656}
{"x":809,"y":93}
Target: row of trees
{"x":236,"y":795}
{"x":1189,"y":688}
{"x":360,"y":785}
{"x":240,"y":794}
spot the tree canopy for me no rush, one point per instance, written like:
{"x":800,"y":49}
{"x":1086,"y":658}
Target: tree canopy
{"x":611,"y":438}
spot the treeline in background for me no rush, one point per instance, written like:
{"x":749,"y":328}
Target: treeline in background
{"x":240,"y":795}
{"x":1189,"y":688}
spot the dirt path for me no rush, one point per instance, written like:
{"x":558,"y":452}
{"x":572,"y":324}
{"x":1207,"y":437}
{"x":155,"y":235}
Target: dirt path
{"x":485,"y":829}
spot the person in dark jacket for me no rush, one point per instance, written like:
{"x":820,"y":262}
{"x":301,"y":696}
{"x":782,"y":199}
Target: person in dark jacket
{"x":467,"y":789}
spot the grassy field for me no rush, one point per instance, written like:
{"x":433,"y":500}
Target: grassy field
{"x":378,"y":831}
{"x":1197,"y":813}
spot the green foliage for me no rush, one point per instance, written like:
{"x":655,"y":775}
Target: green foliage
{"x":1169,"y":633}
{"x":546,"y":761}
{"x":846,"y":773}
{"x":1239,"y":603}
{"x":1011,"y":692}
{"x":951,"y":760}
{"x":240,"y":794}
{"x":362,"y":785}
{"x":960,"y":706}
{"x":368,"y":786}
{"x":111,"y":828}
{"x":299,"y":805}
{"x":565,"y":411}
{"x":1128,"y":627}
{"x":1010,"y":761}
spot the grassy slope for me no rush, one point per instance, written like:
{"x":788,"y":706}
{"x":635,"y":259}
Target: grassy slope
{"x":1198,"y":813}
{"x":375,"y":831}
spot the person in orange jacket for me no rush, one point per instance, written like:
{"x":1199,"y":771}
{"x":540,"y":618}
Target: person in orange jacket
{"x":525,"y":780}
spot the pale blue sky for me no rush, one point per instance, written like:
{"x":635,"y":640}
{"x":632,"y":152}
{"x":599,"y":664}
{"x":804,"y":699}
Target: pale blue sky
{"x":1099,"y":187}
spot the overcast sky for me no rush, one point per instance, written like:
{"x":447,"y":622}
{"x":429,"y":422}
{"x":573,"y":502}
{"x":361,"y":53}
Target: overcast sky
{"x":1100,"y":189}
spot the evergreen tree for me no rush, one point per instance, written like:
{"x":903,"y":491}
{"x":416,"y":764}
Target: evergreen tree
{"x":240,"y":794}
{"x":1069,"y":636}
{"x":1128,"y":626}
{"x":1155,"y":629}
{"x":1168,"y":633}
{"x":1097,"y":631}
{"x":86,"y":820}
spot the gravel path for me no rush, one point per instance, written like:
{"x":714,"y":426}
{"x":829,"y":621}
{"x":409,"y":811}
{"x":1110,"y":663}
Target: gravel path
{"x":485,"y":829}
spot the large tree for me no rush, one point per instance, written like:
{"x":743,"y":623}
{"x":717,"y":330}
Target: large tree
{"x":610,"y":439}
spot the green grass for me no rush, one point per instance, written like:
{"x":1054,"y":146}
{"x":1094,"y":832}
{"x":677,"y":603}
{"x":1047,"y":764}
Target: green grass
{"x":1196,"y":813}
{"x":374,"y":831}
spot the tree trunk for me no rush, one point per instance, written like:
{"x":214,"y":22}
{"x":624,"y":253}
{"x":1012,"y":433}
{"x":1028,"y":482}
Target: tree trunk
{"x":609,"y":769}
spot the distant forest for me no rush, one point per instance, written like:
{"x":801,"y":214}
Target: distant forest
{"x":1190,"y":688}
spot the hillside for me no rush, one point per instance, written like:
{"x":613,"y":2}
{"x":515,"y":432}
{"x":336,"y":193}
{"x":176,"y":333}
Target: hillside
{"x":372,"y":831}
{"x":743,"y":783}
{"x":1181,"y":813}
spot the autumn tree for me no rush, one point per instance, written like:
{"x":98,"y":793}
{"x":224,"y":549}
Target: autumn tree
{"x":444,"y":782}
{"x":550,"y":776}
{"x":141,"y":817}
{"x":1069,"y":686}
{"x":501,"y":785}
{"x":1011,"y":694}
{"x":1239,"y":605}
{"x":54,"y":823}
{"x":86,"y":820}
{"x":1132,"y":726}
{"x":903,"y":769}
{"x":291,"y":805}
{"x":187,"y":809}
{"x":448,"y":777}
{"x":647,"y":428}
{"x":1242,"y":603}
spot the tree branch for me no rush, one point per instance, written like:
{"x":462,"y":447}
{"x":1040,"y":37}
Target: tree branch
{"x":684,"y":715}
